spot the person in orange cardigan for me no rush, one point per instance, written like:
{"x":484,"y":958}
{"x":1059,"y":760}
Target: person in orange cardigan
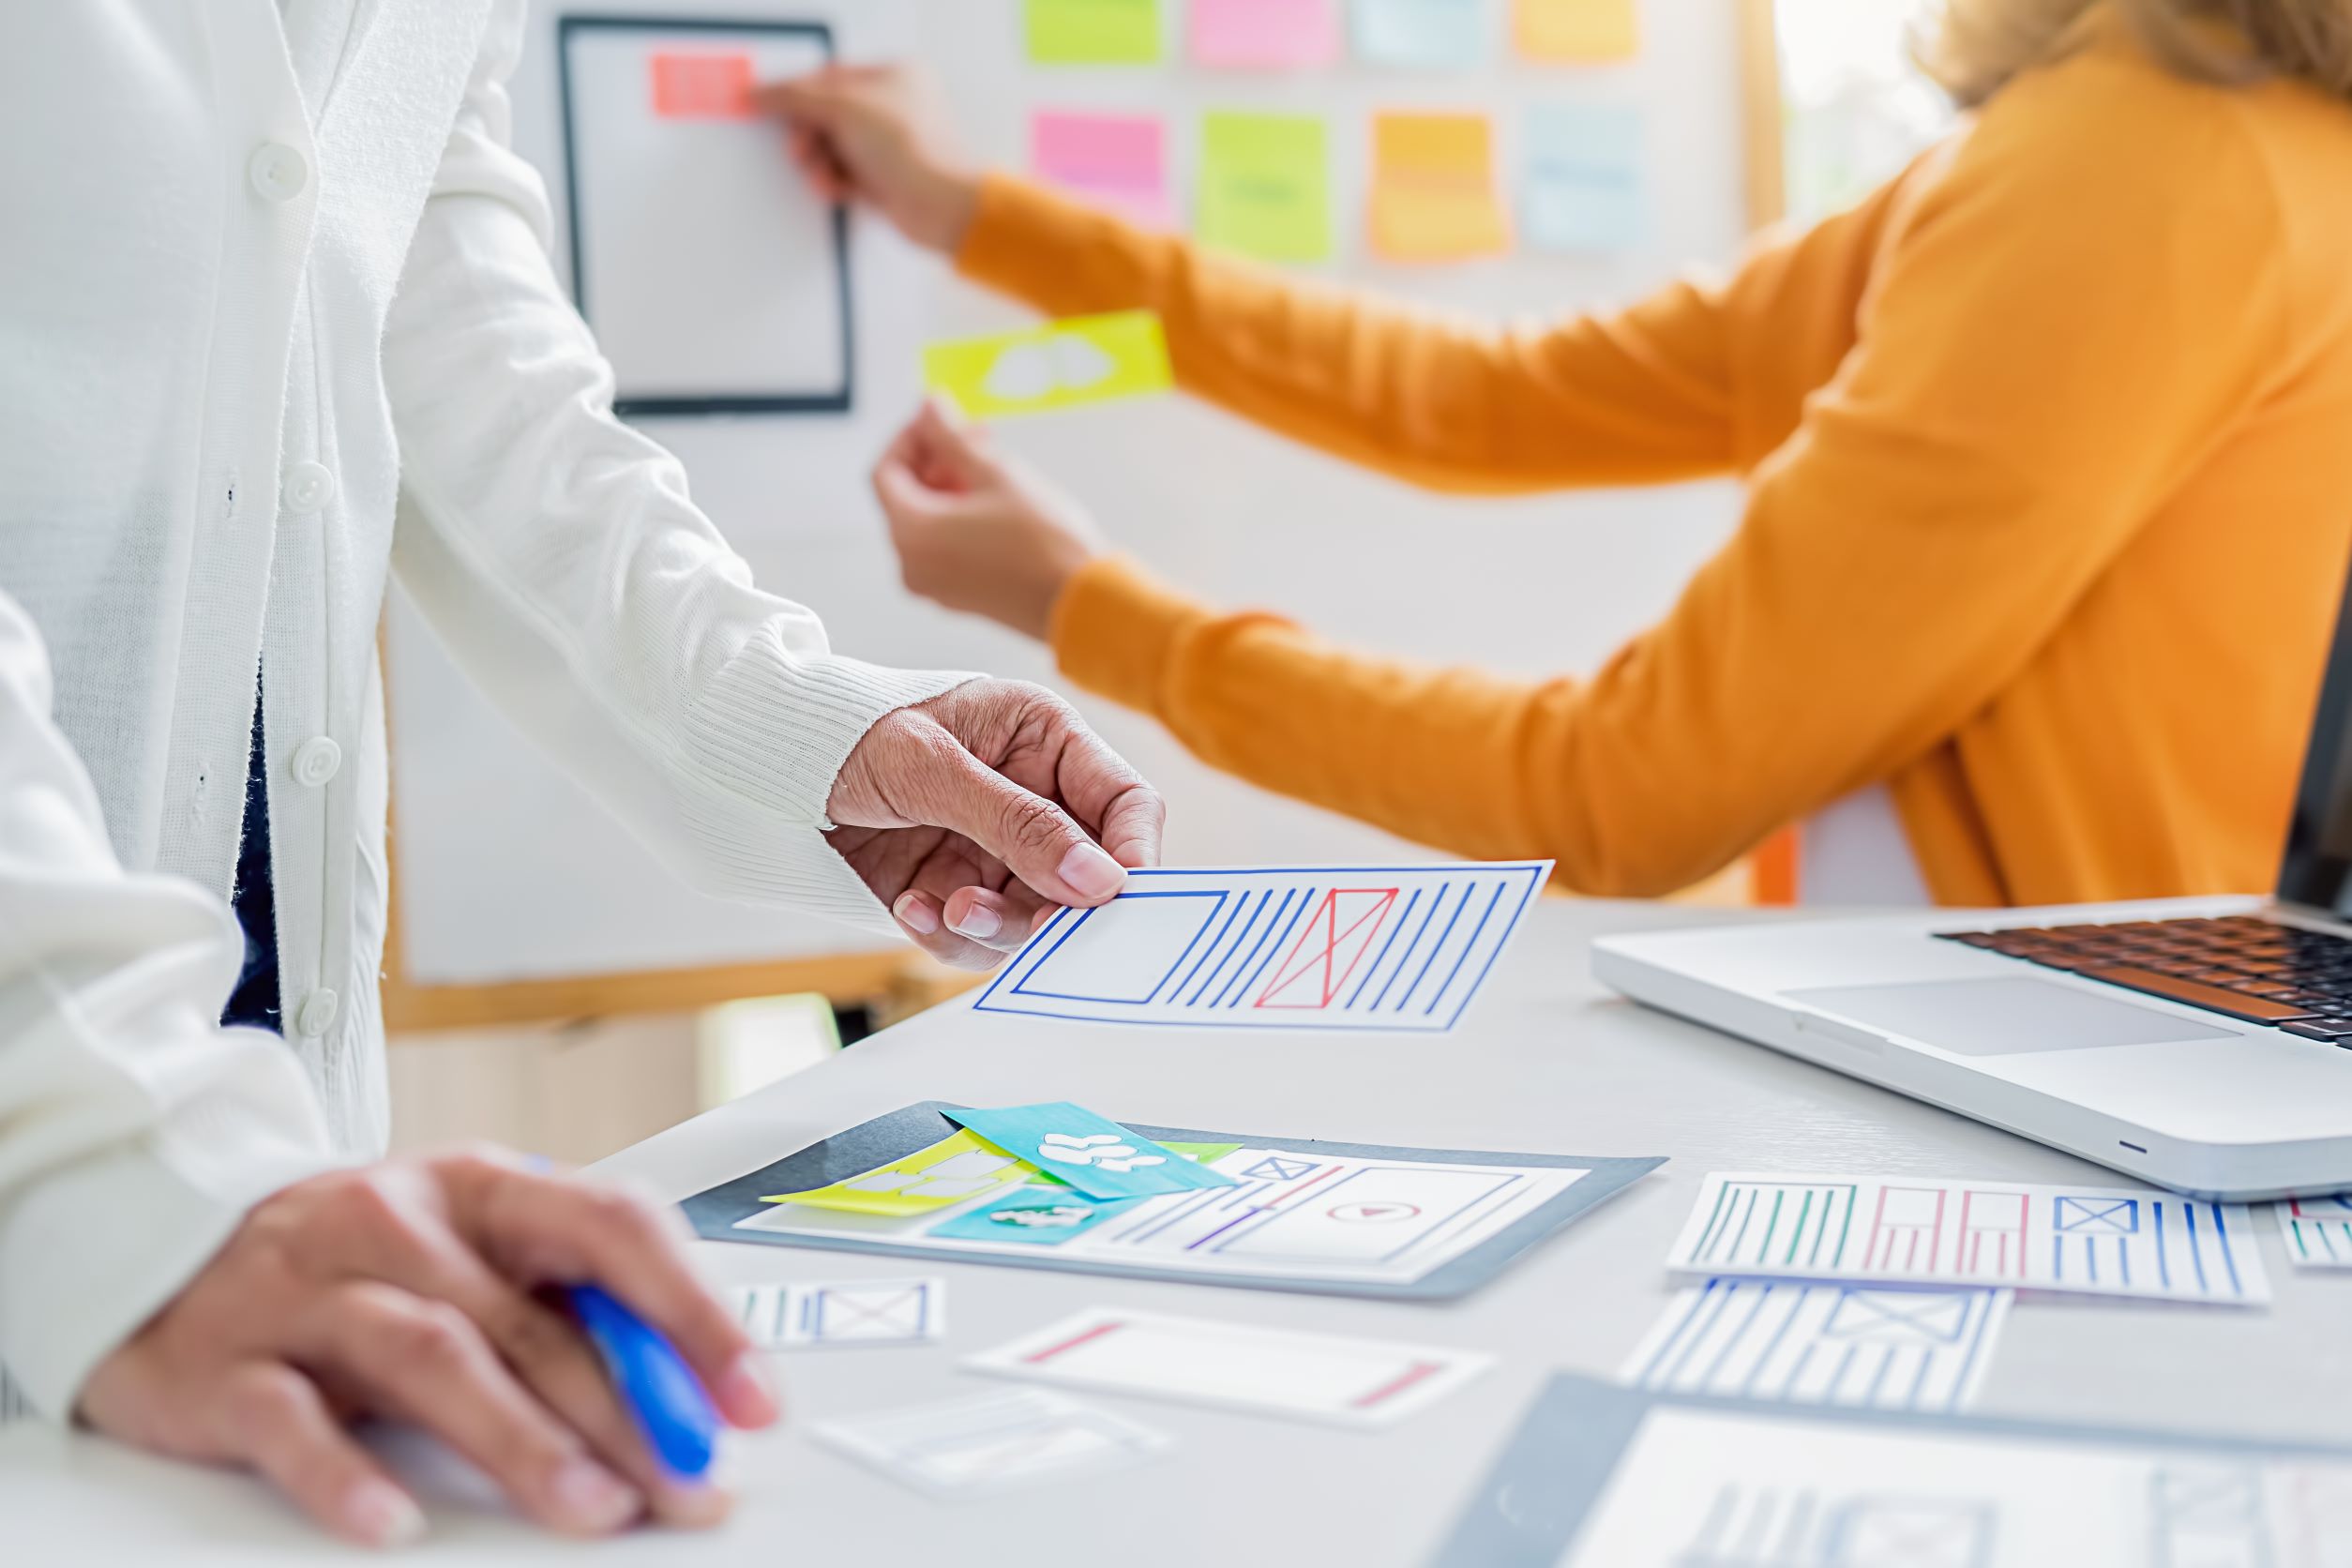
{"x":2048,"y":452}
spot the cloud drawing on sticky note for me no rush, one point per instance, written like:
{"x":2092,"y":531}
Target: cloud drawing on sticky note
{"x":1064,"y":362}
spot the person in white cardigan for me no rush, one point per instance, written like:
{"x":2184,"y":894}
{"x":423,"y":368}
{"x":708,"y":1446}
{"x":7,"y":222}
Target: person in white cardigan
{"x":271,"y":279}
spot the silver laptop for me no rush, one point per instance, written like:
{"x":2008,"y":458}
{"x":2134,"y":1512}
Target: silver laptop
{"x":2202,"y":1044}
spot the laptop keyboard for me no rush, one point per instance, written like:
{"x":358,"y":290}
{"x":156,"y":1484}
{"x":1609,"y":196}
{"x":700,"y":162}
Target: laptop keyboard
{"x":2240,"y":966}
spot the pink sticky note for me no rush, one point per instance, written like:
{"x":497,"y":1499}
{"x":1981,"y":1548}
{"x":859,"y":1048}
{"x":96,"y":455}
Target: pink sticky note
{"x":1118,"y":161}
{"x":1264,"y":34}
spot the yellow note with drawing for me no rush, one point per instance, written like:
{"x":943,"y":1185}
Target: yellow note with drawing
{"x":959,"y":1167}
{"x":1086,"y":359}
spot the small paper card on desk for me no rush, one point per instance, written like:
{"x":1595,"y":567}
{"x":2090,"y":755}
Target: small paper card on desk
{"x":1086,"y":360}
{"x":994,"y":1443}
{"x":1314,"y":1377}
{"x":1933,"y":1230}
{"x":787,"y":1316}
{"x":1883,"y":1347}
{"x":1093,"y":1154}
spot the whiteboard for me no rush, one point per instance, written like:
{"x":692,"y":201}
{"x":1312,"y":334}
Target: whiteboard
{"x":715,"y":281}
{"x":508,"y":870}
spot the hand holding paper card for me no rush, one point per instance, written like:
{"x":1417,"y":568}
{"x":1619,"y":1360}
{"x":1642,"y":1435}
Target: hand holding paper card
{"x":1093,"y":1154}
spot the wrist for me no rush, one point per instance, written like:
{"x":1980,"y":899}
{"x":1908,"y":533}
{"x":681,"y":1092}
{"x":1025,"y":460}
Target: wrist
{"x":949,"y":205}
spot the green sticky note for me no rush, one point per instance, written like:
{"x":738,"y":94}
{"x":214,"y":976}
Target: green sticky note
{"x":1094,"y":32}
{"x":960,"y":1167}
{"x":1086,"y":359}
{"x":1265,"y":186}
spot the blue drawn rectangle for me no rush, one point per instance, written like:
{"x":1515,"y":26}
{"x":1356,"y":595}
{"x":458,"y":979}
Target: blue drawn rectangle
{"x":1109,"y":993}
{"x":2096,"y":1216}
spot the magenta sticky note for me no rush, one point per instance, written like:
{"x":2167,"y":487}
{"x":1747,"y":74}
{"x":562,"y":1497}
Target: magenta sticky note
{"x":1116,"y":161}
{"x":1265,"y":35}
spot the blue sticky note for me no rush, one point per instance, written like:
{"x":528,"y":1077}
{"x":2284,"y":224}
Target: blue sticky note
{"x":1584,"y":178}
{"x":1033,"y":1217}
{"x":1431,"y":34}
{"x":1093,"y":1154}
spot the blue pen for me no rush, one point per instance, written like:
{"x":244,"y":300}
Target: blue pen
{"x":654,"y":1381}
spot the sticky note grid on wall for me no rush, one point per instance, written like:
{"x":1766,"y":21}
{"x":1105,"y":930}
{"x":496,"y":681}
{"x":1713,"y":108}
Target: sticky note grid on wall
{"x":1265,"y":181}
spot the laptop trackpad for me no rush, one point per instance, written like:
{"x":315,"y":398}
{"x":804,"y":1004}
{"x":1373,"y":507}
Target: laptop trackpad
{"x":2004,"y":1018}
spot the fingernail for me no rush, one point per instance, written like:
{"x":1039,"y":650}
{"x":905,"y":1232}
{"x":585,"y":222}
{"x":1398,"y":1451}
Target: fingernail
{"x":1093,"y":873}
{"x":593,"y":1496}
{"x":745,"y":1394}
{"x":381,"y":1515}
{"x":915,"y":913}
{"x":979,"y":921}
{"x":699,"y":1504}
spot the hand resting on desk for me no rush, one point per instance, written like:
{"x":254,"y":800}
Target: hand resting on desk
{"x":413,"y":1290}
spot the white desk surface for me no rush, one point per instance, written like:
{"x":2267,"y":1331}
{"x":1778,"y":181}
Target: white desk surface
{"x":1545,"y":1062}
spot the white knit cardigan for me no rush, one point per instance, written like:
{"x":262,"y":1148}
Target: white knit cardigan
{"x":264,"y":281}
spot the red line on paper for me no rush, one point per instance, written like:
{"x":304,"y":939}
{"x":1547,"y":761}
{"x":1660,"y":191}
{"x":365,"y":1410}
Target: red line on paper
{"x":1416,"y":1373}
{"x":1277,"y":1200}
{"x":702,"y":86}
{"x":1052,"y":1350}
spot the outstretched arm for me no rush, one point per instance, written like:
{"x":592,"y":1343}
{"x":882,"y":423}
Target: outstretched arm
{"x":1696,"y":380}
{"x":2018,"y":405}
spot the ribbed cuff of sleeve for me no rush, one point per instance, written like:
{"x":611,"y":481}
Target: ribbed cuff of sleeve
{"x":1115,"y":631}
{"x":770,"y":736}
{"x":1022,"y":239}
{"x":94,"y":1249}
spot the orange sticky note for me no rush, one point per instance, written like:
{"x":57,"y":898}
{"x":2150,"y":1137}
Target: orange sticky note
{"x":702,"y":86}
{"x":1433,"y":187}
{"x":1577,"y":32}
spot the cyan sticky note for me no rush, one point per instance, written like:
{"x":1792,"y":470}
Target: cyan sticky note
{"x":1093,"y":1153}
{"x":1033,"y":1217}
{"x":1427,"y":34}
{"x":1584,"y":178}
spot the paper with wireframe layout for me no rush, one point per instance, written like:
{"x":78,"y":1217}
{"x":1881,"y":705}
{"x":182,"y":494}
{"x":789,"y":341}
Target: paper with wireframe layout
{"x":992,"y":1442}
{"x":1313,"y":1377}
{"x":1391,"y":949}
{"x":1881,"y":1347}
{"x":1609,"y":1477}
{"x":2098,"y":1241}
{"x":1355,"y":1219}
{"x":2318,"y":1231}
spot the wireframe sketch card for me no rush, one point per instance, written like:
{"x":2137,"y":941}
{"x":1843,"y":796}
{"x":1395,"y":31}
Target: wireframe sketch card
{"x":1349,"y":1219}
{"x":1350,"y":947}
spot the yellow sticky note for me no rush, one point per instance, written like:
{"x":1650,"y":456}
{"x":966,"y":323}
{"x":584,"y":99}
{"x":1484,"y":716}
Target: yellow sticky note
{"x":1433,"y":187}
{"x":1265,"y":186}
{"x":1086,"y":360}
{"x":1093,"y":31}
{"x":1577,"y":32}
{"x":956,"y":1167}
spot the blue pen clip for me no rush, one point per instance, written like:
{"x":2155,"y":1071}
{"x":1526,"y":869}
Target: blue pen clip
{"x":654,"y":1381}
